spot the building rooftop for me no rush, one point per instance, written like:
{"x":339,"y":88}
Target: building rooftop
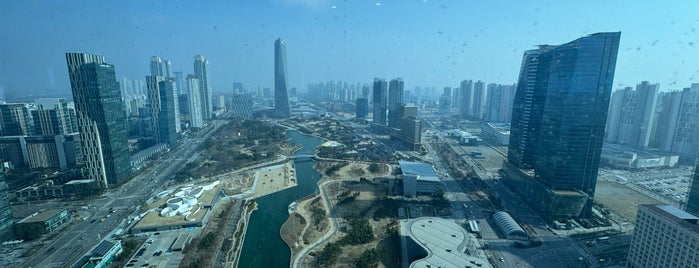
{"x":41,"y":216}
{"x":423,"y":171}
{"x":503,"y":128}
{"x":445,"y":242}
{"x":678,"y":213}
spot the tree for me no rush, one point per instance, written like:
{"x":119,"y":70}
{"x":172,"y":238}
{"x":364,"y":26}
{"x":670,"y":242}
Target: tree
{"x":374,"y":168}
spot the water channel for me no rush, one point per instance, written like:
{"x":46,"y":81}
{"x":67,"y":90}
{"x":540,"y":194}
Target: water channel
{"x":263,"y":247}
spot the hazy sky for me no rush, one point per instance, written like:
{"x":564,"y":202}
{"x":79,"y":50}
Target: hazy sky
{"x":428,"y":43}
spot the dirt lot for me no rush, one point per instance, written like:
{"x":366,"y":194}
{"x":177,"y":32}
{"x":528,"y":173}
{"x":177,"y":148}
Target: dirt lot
{"x":621,"y":199}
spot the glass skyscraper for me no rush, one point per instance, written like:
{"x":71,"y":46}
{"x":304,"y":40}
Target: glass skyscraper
{"x":395,"y":102}
{"x":692,"y":205}
{"x":100,"y":116}
{"x":560,"y":112}
{"x":380,"y":101}
{"x":281,"y":92}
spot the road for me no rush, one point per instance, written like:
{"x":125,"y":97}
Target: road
{"x":79,"y":238}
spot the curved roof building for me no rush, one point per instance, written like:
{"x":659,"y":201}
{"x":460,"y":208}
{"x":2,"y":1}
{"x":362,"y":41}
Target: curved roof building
{"x":445,"y":243}
{"x":509,"y":226}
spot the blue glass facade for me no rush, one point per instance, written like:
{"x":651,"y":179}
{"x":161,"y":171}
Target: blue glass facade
{"x":560,"y":112}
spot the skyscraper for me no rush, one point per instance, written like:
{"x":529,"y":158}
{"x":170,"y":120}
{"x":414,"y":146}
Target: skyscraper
{"x":362,"y":106}
{"x":100,"y":116}
{"x":196,"y":117}
{"x":281,"y":92}
{"x":50,"y":109}
{"x":692,"y":204}
{"x":15,"y":120}
{"x":157,"y":67}
{"x":168,"y":112}
{"x":478,"y":99}
{"x":201,"y":72}
{"x":560,"y":112}
{"x":631,"y":115}
{"x":153,"y":89}
{"x":466,"y":98}
{"x":380,"y":101}
{"x":242,"y":106}
{"x":395,"y":102}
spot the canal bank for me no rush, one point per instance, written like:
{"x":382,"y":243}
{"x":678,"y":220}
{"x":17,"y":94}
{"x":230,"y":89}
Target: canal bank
{"x":263,"y":247}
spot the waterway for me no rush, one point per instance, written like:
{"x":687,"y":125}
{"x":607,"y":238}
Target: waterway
{"x":263,"y":247}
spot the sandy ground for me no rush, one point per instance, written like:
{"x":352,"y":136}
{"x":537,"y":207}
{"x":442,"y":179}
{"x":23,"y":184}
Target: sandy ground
{"x":274,"y":179}
{"x":621,"y":199}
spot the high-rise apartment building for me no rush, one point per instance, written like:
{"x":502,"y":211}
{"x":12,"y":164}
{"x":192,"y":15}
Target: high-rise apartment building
{"x":466,"y":98}
{"x":362,"y":106}
{"x":395,"y":102}
{"x":380,"y":101}
{"x":664,"y":236}
{"x":100,"y":116}
{"x":499,"y":103}
{"x":201,"y":66}
{"x":632,"y":114}
{"x":281,"y":91}
{"x":559,"y":117}
{"x":196,"y":112}
{"x":15,"y":120}
{"x":478,"y":100}
{"x":53,"y":116}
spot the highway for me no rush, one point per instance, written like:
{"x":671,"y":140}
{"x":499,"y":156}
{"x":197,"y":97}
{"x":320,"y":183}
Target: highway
{"x":78,"y":239}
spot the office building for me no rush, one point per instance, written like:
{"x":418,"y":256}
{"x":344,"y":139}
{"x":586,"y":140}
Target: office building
{"x":395,"y":102}
{"x":281,"y":92}
{"x":15,"y":120}
{"x":631,"y":115}
{"x":664,"y":236}
{"x":168,"y":114}
{"x":238,"y":88}
{"x":196,"y":112}
{"x":100,"y":115}
{"x":559,"y":118}
{"x":380,"y":101}
{"x":242,"y":106}
{"x":362,"y":106}
{"x":201,"y":66}
{"x":410,"y":128}
{"x":692,"y":203}
{"x":153,"y":89}
{"x":6,"y":219}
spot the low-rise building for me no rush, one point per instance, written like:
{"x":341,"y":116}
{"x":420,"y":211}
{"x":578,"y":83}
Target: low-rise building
{"x":619,"y":156}
{"x":40,"y":223}
{"x":497,"y":133}
{"x":418,"y":178}
{"x":101,"y":256}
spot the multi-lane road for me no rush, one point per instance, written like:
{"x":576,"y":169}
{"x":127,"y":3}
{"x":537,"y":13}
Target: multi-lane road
{"x":78,"y":239}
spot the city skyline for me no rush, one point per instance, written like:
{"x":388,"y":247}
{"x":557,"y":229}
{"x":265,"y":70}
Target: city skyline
{"x":456,"y":50}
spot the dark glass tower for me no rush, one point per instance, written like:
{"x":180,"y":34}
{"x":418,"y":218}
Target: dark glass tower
{"x":380,"y":101}
{"x":100,"y":115}
{"x":560,"y":112}
{"x":362,"y":108}
{"x":167,"y":131}
{"x":281,"y":92}
{"x":395,"y":102}
{"x":692,"y":205}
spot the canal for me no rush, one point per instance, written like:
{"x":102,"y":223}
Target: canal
{"x":263,"y":247}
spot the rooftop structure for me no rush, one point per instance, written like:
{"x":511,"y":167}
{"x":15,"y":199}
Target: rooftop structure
{"x":509,"y":226}
{"x":418,"y":178}
{"x":620,"y":156}
{"x":446,"y":244}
